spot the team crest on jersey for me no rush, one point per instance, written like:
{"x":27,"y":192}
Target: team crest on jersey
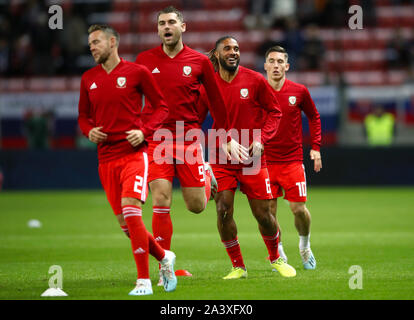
{"x":187,"y":71}
{"x":244,"y":93}
{"x":121,"y":82}
{"x":292,"y":100}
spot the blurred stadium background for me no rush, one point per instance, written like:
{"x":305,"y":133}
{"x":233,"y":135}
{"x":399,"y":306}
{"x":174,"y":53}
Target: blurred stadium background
{"x":349,"y":72}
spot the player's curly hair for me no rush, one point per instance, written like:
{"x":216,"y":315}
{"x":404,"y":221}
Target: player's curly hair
{"x":211,"y":55}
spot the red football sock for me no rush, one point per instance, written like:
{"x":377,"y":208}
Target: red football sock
{"x":139,"y":239}
{"x":234,"y":252}
{"x":154,"y":248}
{"x":272,"y":243}
{"x":162,"y":227}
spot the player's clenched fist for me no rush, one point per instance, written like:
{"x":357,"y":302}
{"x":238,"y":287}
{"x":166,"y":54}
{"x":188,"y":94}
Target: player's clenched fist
{"x":96,"y":136}
{"x":135,"y":137}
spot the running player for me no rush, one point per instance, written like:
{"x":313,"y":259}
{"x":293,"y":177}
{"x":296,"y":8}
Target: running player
{"x":251,"y":105}
{"x":284,"y":153}
{"x":109,"y":116}
{"x":179,"y":71}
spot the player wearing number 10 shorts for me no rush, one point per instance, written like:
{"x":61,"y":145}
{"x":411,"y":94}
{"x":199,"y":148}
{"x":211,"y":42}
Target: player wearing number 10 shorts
{"x":284,"y":154}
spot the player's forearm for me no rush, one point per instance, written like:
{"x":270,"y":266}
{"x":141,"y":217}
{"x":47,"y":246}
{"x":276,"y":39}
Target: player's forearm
{"x":217,"y":105}
{"x":85,"y":124}
{"x":271,"y":126}
{"x":158,"y":117}
{"x":315,"y":132}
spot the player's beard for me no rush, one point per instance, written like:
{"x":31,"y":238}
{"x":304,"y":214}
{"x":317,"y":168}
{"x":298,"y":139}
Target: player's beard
{"x":103,"y":57}
{"x":228,"y":68}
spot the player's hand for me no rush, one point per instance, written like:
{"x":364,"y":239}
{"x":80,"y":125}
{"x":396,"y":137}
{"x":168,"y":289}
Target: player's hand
{"x":96,"y":135}
{"x":135,"y":137}
{"x":256,"y":149}
{"x":236,"y":150}
{"x":316,"y":157}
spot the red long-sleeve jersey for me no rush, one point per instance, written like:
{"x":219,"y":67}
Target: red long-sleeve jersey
{"x":113,"y":101}
{"x":287,"y":144}
{"x":180,"y":79}
{"x":251,"y":104}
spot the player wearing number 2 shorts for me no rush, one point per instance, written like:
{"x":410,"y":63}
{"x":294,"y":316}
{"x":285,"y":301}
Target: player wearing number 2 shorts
{"x":252,"y":107}
{"x":284,"y":153}
{"x":109,"y":115}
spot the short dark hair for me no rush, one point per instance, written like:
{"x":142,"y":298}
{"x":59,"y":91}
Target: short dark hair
{"x":276,"y":49}
{"x":106,"y":29}
{"x":171,"y":9}
{"x":211,"y":55}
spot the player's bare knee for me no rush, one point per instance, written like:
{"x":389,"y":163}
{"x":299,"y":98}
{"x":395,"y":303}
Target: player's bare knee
{"x":298,"y":208}
{"x":196,"y":206}
{"x":162,"y":199}
{"x":265,"y":220}
{"x":273,"y":207}
{"x":130,"y":202}
{"x":224,"y":211}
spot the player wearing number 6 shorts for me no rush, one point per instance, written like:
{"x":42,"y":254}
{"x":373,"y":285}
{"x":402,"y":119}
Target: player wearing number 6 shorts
{"x":254,"y":116}
{"x":284,"y":152}
{"x":109,"y":115}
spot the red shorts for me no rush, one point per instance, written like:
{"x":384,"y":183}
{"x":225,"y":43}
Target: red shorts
{"x":125,"y":177}
{"x":289,"y":176}
{"x":186,"y":162}
{"x":253,"y":186}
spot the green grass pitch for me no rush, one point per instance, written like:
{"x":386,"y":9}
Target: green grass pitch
{"x":368,"y":227}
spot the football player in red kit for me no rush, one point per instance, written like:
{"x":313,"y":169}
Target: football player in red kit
{"x":179,"y":71}
{"x":284,"y":153}
{"x":251,"y":105}
{"x":109,"y":115}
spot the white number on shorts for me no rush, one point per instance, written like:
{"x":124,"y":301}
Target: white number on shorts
{"x":201,"y":173}
{"x":302,"y":188}
{"x":138,"y":184}
{"x":268,"y":190}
